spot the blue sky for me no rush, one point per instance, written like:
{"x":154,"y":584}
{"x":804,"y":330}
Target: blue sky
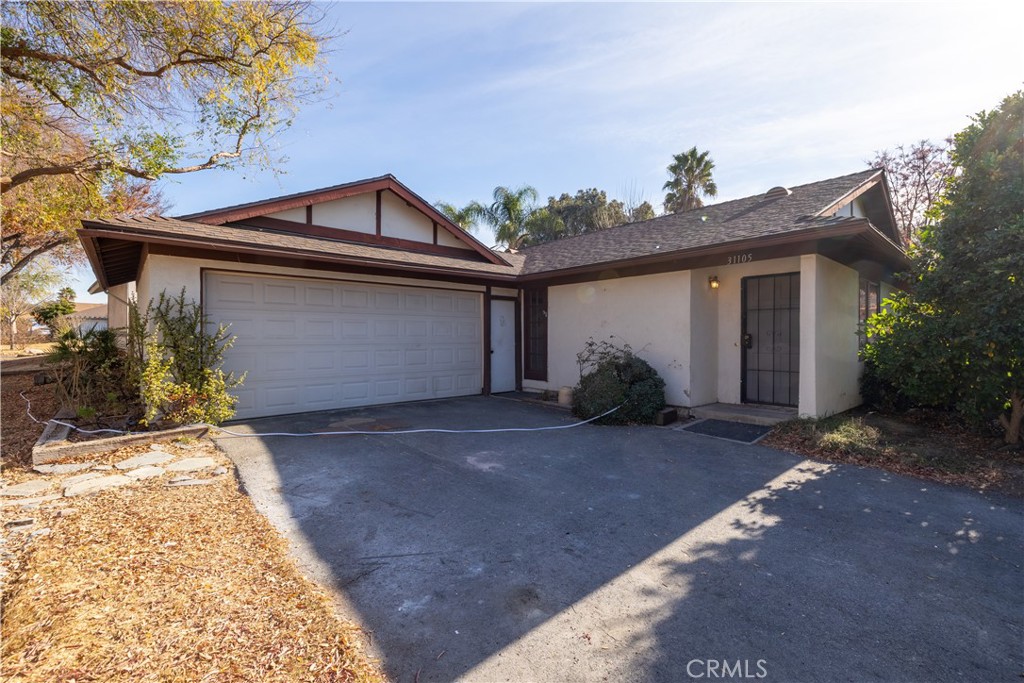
{"x":454,"y":99}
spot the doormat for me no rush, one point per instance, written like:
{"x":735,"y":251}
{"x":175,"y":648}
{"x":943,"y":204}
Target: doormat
{"x":733,"y":431}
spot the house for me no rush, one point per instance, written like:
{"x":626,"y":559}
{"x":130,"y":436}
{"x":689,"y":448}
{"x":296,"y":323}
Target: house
{"x":87,"y":317}
{"x":363,"y":293}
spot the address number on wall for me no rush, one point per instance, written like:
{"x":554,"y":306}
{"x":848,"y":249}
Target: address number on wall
{"x":739,"y":258}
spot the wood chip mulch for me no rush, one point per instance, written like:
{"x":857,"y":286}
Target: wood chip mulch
{"x":150,"y":583}
{"x":926,"y":444}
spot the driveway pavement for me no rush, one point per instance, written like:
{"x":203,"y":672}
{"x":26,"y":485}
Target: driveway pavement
{"x":639,"y":554}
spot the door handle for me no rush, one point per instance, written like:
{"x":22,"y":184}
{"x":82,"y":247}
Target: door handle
{"x":748,"y":341}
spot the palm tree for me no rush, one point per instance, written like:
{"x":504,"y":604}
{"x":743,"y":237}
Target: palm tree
{"x":691,"y":178}
{"x":464,"y":217}
{"x":508,"y":214}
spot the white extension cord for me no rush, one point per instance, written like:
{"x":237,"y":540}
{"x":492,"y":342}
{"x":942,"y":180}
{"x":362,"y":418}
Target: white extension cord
{"x":28,"y":410}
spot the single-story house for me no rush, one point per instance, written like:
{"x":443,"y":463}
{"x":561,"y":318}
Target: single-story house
{"x":363,"y":293}
{"x":86,"y":317}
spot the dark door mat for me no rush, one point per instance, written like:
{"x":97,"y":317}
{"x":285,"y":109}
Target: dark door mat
{"x":734,"y":431}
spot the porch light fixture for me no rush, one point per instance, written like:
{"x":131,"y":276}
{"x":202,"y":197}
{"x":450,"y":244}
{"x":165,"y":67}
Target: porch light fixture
{"x":713,"y":282}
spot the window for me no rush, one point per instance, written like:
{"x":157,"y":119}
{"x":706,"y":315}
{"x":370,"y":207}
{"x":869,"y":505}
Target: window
{"x":535,"y":334}
{"x":868,"y":301}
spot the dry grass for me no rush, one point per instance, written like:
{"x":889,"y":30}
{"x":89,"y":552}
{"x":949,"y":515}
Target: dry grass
{"x":148,"y":583}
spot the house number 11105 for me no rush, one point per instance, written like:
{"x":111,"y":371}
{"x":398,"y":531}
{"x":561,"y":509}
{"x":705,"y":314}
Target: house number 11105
{"x":739,"y":258}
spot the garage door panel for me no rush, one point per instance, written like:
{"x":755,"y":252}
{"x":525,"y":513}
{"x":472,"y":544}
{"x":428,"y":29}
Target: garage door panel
{"x":316,"y":345}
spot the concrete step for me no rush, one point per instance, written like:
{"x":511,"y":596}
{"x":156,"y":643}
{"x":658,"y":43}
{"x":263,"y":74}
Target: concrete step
{"x":746,"y":413}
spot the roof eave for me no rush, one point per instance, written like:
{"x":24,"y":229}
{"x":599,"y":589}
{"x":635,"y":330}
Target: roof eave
{"x":849,"y":228}
{"x":92,"y":230}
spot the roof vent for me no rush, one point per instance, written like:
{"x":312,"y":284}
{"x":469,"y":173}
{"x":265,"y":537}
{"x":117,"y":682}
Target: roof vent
{"x":777,"y":192}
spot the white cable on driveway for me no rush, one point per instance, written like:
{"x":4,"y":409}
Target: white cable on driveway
{"x":28,"y":410}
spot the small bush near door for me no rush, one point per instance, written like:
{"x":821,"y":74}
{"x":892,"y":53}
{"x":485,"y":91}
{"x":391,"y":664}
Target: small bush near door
{"x":613,"y":376}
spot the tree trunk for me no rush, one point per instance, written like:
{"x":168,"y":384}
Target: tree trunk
{"x":1013,"y":424}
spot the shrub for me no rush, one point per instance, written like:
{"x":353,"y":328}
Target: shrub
{"x":90,"y":374}
{"x":880,"y":393}
{"x":611,"y":376}
{"x":182,"y":379}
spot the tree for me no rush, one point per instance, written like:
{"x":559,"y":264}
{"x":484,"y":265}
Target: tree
{"x":917,"y":176}
{"x":957,"y":337}
{"x":96,"y":93}
{"x":21,"y":293}
{"x":587,"y":211}
{"x":48,"y":312}
{"x":465,"y":217}
{"x":690,"y":179}
{"x":507,"y":214}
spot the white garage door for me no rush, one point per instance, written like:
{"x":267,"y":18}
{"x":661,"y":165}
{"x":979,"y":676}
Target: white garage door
{"x":317,"y":344}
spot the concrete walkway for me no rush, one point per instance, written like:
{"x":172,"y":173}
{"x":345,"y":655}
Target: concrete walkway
{"x":640,"y":554}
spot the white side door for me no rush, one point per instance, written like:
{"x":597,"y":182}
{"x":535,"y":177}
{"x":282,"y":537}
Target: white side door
{"x":503,"y":346}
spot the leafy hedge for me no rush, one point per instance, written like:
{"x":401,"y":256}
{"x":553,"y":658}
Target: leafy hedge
{"x":612,"y":376}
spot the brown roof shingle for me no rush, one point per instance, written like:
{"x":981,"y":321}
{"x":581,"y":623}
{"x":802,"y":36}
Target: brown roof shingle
{"x":740,"y":219}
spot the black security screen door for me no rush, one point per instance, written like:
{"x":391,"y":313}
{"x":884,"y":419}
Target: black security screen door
{"x":771,"y":339}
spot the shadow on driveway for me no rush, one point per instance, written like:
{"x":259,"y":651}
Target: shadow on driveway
{"x":636,"y":553}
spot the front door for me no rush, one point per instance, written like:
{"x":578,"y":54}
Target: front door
{"x":503,"y":345}
{"x":771,"y":339}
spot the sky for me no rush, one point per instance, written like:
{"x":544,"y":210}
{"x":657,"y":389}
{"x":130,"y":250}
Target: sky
{"x":457,"y":98}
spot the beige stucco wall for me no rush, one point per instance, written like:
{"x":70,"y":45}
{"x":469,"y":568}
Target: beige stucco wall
{"x":730,"y":318}
{"x":117,"y":304}
{"x":649,"y":312}
{"x":829,"y":366}
{"x":358,"y":213}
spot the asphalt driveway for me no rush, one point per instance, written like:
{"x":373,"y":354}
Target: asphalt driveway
{"x":641,"y":554}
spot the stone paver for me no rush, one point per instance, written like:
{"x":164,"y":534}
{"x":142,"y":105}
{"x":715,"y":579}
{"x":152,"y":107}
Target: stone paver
{"x":69,"y":468}
{"x":29,"y":502}
{"x":103,"y":468}
{"x":84,"y":488}
{"x":190,"y":482}
{"x":71,"y":481}
{"x":191,"y":464}
{"x":151,"y":458}
{"x":147,"y":472}
{"x":26,"y":488}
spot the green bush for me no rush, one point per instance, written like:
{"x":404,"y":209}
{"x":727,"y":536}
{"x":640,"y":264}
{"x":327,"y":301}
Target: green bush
{"x":611,"y":376}
{"x":878,"y":392}
{"x":181,"y":377}
{"x":91,"y":376}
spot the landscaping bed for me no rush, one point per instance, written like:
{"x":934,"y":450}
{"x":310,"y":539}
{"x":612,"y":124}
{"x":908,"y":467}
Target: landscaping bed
{"x":923,"y":443}
{"x":168,"y":575}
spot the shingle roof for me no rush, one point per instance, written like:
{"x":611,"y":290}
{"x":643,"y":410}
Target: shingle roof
{"x":740,"y":219}
{"x":226,"y":235}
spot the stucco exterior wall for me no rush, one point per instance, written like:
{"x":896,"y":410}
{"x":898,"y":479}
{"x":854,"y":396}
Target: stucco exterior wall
{"x":829,"y":366}
{"x":650,"y":313}
{"x":117,"y":304}
{"x":358,"y":213}
{"x":730,"y":318}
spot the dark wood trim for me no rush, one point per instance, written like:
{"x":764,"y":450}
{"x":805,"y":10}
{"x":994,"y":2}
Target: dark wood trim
{"x":519,"y":343}
{"x":488,"y":351}
{"x":435,"y":231}
{"x":376,"y":215}
{"x":92,"y":253}
{"x":309,"y":214}
{"x":229,"y":252}
{"x":536,"y":374}
{"x":843,"y":244}
{"x":341,"y":235}
{"x":254,"y":209}
{"x":261,"y":208}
